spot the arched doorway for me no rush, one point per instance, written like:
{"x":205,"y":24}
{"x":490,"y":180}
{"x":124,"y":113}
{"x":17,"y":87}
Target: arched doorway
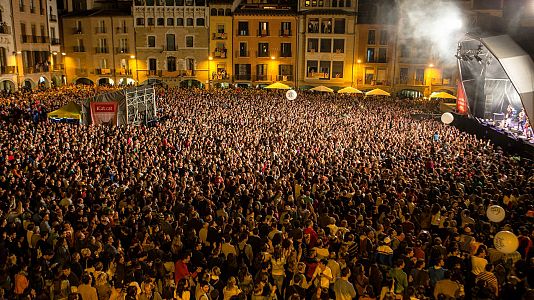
{"x":84,"y":81}
{"x":56,"y":81}
{"x":191,"y":83}
{"x":43,"y":83}
{"x":7,"y":85}
{"x":126,"y":81}
{"x":105,"y":81}
{"x":27,"y":84}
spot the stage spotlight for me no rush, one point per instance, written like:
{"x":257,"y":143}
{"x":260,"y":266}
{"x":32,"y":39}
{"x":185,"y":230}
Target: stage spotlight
{"x":457,"y":56}
{"x":465,"y":57}
{"x":478,"y":58}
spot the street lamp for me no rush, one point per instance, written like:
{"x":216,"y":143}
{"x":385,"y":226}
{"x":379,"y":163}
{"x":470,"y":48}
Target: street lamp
{"x":431,"y":65}
{"x":210,"y":58}
{"x":359,"y":61}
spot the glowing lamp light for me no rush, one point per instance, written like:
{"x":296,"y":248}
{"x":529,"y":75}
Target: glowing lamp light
{"x":54,"y":53}
{"x":272,"y":57}
{"x":431,"y":65}
{"x":359,"y":61}
{"x":19,"y":52}
{"x":63,"y":53}
{"x":210,"y":58}
{"x":132,"y":56}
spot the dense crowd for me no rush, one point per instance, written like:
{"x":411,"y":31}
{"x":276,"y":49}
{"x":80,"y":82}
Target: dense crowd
{"x":242,"y":194}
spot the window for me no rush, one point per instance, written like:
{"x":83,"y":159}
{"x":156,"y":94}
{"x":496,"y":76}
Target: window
{"x":21,"y":5}
{"x":152,"y":64}
{"x":228,"y":12}
{"x":384,"y":37}
{"x":285,"y":50}
{"x":312,"y":68}
{"x":220,"y":12}
{"x":123,"y":45}
{"x":189,"y":22}
{"x":403,"y":75}
{"x":382,"y":55}
{"x":189,"y":41}
{"x":337,"y":69}
{"x":220,"y":28}
{"x":339,"y":45}
{"x":285,"y":29}
{"x":348,"y":3}
{"x":170,"y":21}
{"x":171,"y":42}
{"x":171,"y":64}
{"x":285,"y":71}
{"x":179,"y":2}
{"x":23,"y":28}
{"x":381,"y":77}
{"x":339,"y":26}
{"x":326,"y":45}
{"x":189,"y":2}
{"x":420,"y":76}
{"x":313,"y":26}
{"x":243,"y":51}
{"x":404,"y":51}
{"x":213,"y":12}
{"x":190,"y":64}
{"x":261,"y":72}
{"x":371,"y":37}
{"x":263,"y":49}
{"x":307,"y":3}
{"x":326,"y":26}
{"x":324,"y":69}
{"x":79,"y":25}
{"x":179,"y":21}
{"x":150,"y":21}
{"x":370,"y":54}
{"x":151,"y":41}
{"x":242,"y":28}
{"x":140,"y":22}
{"x":161,"y":22}
{"x":313,"y":45}
{"x":369,"y":75}
{"x":200,"y":22}
{"x":263,"y":29}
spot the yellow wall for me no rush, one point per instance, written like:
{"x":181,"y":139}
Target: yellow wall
{"x":221,"y":65}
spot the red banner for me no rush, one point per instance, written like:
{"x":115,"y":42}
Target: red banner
{"x":461,"y":101}
{"x":104,"y":113}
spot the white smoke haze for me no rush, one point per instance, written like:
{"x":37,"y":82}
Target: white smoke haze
{"x":436,"y":23}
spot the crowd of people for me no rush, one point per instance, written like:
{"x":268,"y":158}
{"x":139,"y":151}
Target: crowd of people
{"x":243,"y":194}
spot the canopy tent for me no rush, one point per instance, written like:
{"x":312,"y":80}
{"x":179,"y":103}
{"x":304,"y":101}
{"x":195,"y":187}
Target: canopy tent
{"x":69,"y":111}
{"x":278,"y":85}
{"x":349,"y":90}
{"x":442,"y":95}
{"x":377,"y":92}
{"x":322,"y":88}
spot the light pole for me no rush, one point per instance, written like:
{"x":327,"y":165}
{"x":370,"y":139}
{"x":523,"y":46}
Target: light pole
{"x":136,"y":72}
{"x":359,"y":61}
{"x":210,"y":59}
{"x":430,"y":71}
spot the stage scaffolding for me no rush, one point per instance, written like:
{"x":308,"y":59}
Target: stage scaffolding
{"x":141,"y":105}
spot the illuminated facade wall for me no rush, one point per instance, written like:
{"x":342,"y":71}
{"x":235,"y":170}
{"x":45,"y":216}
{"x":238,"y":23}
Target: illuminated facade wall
{"x":221,"y":46}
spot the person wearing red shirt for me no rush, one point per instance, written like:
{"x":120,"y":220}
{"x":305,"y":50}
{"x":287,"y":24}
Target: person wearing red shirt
{"x":311,"y":232}
{"x":181,"y":271}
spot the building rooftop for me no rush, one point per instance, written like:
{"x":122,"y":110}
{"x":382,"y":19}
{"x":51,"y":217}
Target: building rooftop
{"x":99,"y":12}
{"x":327,"y":11}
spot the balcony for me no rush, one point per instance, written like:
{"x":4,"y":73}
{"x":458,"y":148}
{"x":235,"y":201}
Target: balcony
{"x":121,"y":30}
{"x":444,"y":81}
{"x":77,"y":31}
{"x":219,"y":76}
{"x":318,"y":75}
{"x":104,"y":71}
{"x":53,"y":18}
{"x":121,"y":50}
{"x":170,"y":48}
{"x":286,"y":54}
{"x":32,"y":10}
{"x":38,"y":68}
{"x":263,"y":54}
{"x":158,"y":73}
{"x":247,"y":77}
{"x":79,"y":49}
{"x":284,"y":78}
{"x":101,"y":50}
{"x":262,"y":77}
{"x":7,"y":69}
{"x":242,"y":53}
{"x":54,"y":41}
{"x":220,"y":53}
{"x":242,"y":32}
{"x":58,"y":67}
{"x":43,"y":39}
{"x":101,"y":30}
{"x":4,"y":29}
{"x":219,"y":36}
{"x":285,"y":32}
{"x":81,"y":72}
{"x":263,"y":33}
{"x":124,"y":72}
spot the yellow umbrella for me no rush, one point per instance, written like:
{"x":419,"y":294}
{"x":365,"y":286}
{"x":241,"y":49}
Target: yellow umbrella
{"x":349,"y":90}
{"x":322,"y":88}
{"x":377,"y":92}
{"x":442,"y":95}
{"x":278,"y":85}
